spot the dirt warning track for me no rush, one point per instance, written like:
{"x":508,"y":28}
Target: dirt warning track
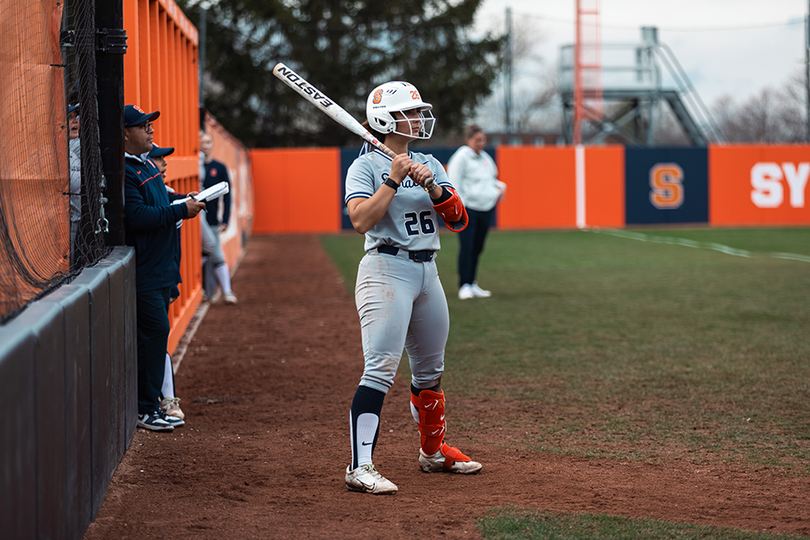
{"x":266,"y":386}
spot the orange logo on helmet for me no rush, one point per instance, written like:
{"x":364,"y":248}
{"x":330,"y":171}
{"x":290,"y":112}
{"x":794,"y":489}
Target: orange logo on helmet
{"x":377,"y":96}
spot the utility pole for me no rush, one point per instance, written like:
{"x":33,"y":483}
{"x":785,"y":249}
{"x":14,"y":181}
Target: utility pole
{"x":578,"y":77}
{"x":507,"y":65}
{"x":201,"y":52}
{"x":807,"y":72}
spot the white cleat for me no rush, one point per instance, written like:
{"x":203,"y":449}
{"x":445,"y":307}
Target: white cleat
{"x":478,"y":292}
{"x":436,"y":463}
{"x":171,"y":407}
{"x":366,"y":479}
{"x":466,"y":292}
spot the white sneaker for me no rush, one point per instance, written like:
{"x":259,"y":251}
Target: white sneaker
{"x":478,"y":292}
{"x":435,"y":463}
{"x":366,"y":479}
{"x":154,"y":421}
{"x":466,"y":292}
{"x":230,"y":298}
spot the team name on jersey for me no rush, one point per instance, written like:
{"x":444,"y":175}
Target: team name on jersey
{"x":407,"y":183}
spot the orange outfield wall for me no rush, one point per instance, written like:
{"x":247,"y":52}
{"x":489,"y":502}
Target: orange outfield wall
{"x":759,"y":185}
{"x":541,"y":187}
{"x":296,"y":190}
{"x":604,"y":186}
{"x":541,"y":191}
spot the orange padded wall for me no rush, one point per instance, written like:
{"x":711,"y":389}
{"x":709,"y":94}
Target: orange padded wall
{"x":759,"y":185}
{"x":541,"y":191}
{"x":604,"y":186}
{"x":296,"y":190}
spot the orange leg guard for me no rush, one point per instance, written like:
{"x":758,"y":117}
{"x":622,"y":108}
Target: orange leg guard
{"x":430,"y":406}
{"x":451,"y":455}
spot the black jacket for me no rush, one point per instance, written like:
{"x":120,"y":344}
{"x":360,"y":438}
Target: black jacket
{"x":150,"y":222}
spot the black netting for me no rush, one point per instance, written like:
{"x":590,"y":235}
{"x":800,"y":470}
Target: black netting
{"x":89,"y":243}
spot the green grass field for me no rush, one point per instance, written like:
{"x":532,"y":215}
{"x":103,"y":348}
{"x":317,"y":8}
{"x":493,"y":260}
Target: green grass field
{"x":525,"y":524}
{"x":637,"y":344}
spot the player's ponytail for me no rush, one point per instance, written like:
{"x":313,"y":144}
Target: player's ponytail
{"x":377,"y":135}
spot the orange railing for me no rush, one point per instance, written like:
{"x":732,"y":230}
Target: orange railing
{"x":160,"y":73}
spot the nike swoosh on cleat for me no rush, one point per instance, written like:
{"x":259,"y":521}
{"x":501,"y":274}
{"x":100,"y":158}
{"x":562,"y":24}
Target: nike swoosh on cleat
{"x":370,"y":486}
{"x":366,"y":443}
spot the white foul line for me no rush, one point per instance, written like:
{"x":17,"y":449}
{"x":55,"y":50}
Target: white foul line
{"x":641,"y":237}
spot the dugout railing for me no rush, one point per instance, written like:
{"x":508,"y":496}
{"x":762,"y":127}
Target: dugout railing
{"x":160,"y":74}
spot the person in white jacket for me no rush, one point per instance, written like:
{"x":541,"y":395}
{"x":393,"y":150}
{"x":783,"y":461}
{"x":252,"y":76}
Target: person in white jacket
{"x":475,"y":175}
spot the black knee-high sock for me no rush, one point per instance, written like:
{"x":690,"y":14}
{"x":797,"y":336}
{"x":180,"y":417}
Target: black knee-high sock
{"x":364,"y":419}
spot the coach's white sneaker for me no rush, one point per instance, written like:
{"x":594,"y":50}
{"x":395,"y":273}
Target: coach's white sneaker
{"x":448,"y":459}
{"x":366,"y":479}
{"x":466,"y":292}
{"x":478,"y":292}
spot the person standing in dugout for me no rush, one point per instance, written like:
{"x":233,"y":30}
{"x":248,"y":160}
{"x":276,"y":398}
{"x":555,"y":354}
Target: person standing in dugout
{"x":216,"y":172}
{"x":151,"y":228}
{"x":396,"y":203}
{"x":169,"y":401}
{"x":75,"y":155}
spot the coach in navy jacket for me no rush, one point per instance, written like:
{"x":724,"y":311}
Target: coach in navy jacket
{"x":150,"y":220}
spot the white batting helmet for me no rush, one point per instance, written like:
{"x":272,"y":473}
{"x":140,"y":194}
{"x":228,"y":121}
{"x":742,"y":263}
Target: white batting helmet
{"x":398,"y":96}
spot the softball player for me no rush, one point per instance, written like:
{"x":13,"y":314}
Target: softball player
{"x":396,"y":204}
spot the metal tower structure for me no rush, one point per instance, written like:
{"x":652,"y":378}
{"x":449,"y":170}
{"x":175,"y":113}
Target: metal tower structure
{"x":636,"y":80}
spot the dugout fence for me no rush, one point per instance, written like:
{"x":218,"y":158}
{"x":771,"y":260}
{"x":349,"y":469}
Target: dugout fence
{"x":160,"y":74}
{"x":67,"y":286}
{"x":47,"y":63}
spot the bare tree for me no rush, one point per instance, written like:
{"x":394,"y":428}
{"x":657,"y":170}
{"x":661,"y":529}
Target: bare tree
{"x":771,"y":116}
{"x":534,"y":93}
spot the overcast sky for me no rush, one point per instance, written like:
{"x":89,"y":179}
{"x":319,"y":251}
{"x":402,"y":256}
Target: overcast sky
{"x":735,"y":47}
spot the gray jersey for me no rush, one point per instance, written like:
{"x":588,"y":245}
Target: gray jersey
{"x":410,"y":223}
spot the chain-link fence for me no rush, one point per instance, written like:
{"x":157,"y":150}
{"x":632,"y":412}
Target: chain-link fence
{"x":52,"y":220}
